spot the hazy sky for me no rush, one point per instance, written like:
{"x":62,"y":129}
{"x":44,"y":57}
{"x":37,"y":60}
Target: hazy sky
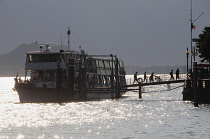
{"x":140,"y":32}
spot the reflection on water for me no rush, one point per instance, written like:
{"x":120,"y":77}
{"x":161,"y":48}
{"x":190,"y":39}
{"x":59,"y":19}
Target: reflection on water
{"x":156,"y":115}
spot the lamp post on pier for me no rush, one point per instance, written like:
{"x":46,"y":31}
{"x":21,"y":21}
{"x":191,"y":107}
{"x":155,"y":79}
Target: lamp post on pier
{"x":187,"y":54}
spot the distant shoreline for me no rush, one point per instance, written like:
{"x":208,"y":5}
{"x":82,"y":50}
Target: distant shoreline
{"x":14,"y":61}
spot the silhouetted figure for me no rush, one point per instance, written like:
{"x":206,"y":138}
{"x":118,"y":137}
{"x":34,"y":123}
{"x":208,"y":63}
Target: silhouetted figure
{"x":145,"y":76}
{"x":172,"y":76}
{"x":16,"y":78}
{"x":20,"y":80}
{"x":151,"y":78}
{"x":135,"y":78}
{"x":177,"y":74}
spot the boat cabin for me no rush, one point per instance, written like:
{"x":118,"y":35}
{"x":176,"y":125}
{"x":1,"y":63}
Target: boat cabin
{"x":43,"y":66}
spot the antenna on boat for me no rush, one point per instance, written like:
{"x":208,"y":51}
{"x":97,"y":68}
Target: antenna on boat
{"x":61,"y":41}
{"x":68,"y":32}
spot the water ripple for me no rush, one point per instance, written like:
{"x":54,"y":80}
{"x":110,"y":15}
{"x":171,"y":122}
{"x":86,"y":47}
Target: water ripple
{"x":156,"y":115}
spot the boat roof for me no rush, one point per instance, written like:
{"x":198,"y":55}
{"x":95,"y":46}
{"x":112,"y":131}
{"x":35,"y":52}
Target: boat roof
{"x":51,"y":52}
{"x":96,"y":57}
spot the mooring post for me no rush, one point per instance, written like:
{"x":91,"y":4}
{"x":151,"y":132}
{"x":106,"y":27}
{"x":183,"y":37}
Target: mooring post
{"x":140,"y":90}
{"x":195,"y":92}
{"x":117,"y":78}
{"x":71,"y":79}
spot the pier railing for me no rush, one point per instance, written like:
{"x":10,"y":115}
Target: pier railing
{"x":201,"y":84}
{"x":162,"y":78}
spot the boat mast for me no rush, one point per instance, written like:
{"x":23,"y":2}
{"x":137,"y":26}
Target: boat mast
{"x":61,"y":41}
{"x":68,"y":32}
{"x":191,"y":27}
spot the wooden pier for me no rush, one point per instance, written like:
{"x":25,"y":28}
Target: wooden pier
{"x":155,"y":83}
{"x":139,"y":85}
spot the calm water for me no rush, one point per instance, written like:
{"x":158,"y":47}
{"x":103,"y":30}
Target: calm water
{"x":156,"y":115}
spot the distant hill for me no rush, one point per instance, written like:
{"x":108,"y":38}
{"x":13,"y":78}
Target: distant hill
{"x":14,"y":62}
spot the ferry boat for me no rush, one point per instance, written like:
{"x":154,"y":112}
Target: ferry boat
{"x":65,"y":75}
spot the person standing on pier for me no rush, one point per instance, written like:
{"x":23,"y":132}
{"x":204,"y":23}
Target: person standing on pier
{"x":135,"y":78}
{"x":145,"y":76}
{"x":151,"y":78}
{"x":177,"y":74}
{"x":172,"y":76}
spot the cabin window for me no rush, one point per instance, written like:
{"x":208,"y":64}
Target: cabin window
{"x":97,"y":64}
{"x":112,"y":65}
{"x":106,"y":63}
{"x":121,"y":64}
{"x":72,"y":56}
{"x":103,"y":64}
{"x":100,"y":63}
{"x":52,"y":58}
{"x":44,"y":58}
{"x":32,"y":58}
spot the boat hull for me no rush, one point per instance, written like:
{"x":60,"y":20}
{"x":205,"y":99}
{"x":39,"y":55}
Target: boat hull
{"x":52,"y":95}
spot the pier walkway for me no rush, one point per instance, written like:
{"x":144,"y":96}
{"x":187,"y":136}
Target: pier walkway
{"x":115,"y":91}
{"x":155,"y":83}
{"x":138,"y":86}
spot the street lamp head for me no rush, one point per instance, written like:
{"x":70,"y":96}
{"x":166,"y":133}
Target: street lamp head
{"x":187,"y":52}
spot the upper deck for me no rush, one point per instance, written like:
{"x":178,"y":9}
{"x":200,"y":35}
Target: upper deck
{"x":47,"y":60}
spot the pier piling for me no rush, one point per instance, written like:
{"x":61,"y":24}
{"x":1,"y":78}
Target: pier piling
{"x":195,"y":92}
{"x":140,"y":94}
{"x":117,"y":78}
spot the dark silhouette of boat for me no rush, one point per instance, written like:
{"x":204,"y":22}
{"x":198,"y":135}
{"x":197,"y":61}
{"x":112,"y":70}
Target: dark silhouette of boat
{"x":67,"y":75}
